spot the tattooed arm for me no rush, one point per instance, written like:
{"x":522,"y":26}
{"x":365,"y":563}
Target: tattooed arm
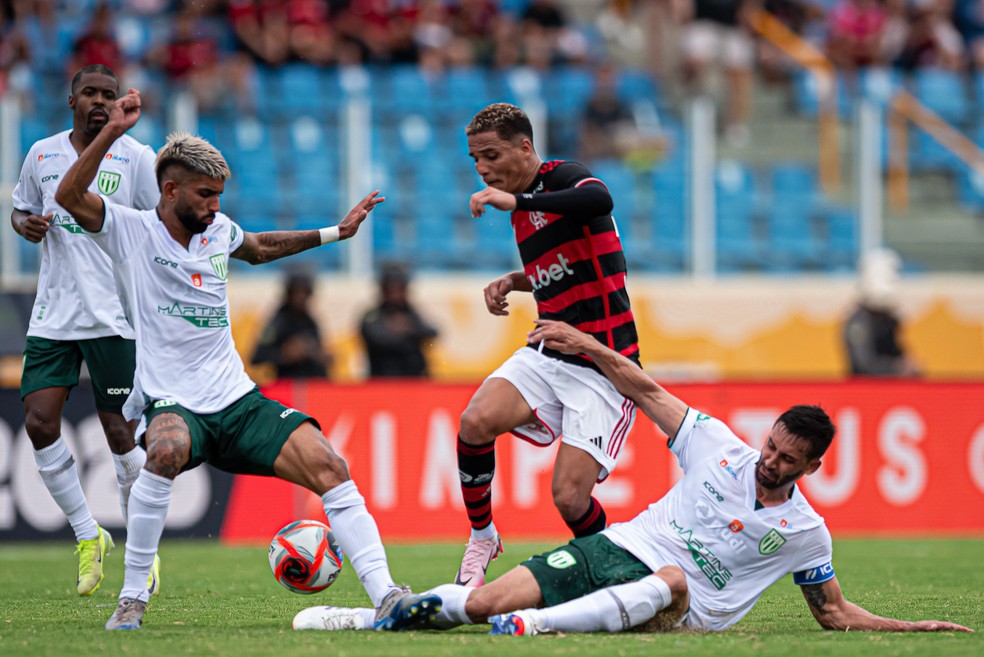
{"x":834,"y":612}
{"x":258,"y":248}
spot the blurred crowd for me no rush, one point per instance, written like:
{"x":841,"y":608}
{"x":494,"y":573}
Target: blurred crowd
{"x":213,"y":46}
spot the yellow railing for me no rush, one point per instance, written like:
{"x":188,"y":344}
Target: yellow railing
{"x":825,"y":75}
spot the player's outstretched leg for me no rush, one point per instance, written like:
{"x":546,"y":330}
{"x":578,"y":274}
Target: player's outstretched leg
{"x":334,"y":619}
{"x":403,"y":610}
{"x":91,"y":553}
{"x":128,"y":615}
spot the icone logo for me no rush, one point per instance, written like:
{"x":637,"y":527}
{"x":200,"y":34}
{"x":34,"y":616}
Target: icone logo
{"x":117,"y":391}
{"x":167,"y":263}
{"x":53,"y":176}
{"x":544,"y":277}
{"x":713,"y":491}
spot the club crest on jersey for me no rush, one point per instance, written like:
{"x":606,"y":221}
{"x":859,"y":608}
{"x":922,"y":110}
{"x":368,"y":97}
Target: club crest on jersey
{"x":220,"y":265}
{"x":108,"y":182}
{"x":771,"y":542}
{"x":537,"y":219}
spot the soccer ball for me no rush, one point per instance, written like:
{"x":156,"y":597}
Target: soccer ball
{"x":304,"y":557}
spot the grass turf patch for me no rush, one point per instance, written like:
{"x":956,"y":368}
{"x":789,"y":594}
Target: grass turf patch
{"x":220,"y":600}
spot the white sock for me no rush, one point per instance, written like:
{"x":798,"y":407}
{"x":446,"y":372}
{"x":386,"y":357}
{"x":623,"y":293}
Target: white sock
{"x":484,"y":532}
{"x":128,"y":467}
{"x":612,"y":609}
{"x":61,"y":477}
{"x":149,"y":499}
{"x":357,"y":535}
{"x":453,"y":599}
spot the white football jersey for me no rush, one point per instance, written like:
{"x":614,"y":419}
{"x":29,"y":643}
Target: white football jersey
{"x":707,"y":525}
{"x":185,"y":351}
{"x":78,"y":297}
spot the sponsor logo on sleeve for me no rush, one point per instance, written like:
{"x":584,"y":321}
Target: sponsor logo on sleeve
{"x":816,"y":575}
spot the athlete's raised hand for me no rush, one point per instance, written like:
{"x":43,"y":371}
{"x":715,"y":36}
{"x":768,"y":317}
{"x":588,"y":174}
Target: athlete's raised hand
{"x":125,"y":112}
{"x":497,"y":198}
{"x":349,"y":225}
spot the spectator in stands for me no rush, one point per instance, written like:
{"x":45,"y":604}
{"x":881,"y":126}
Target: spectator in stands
{"x":932,"y":38}
{"x":968,"y":18}
{"x":607,"y":124}
{"x":191,"y":58}
{"x":474,"y":23}
{"x":718,"y":33}
{"x":863,"y":33}
{"x":621,"y":25}
{"x":291,"y":342}
{"x":871,"y":333}
{"x":393,"y":332}
{"x":310,"y":36}
{"x":97,"y":44}
{"x":260,"y":29}
{"x":548,"y":37}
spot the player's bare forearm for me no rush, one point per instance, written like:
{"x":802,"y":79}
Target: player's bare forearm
{"x":259,"y":248}
{"x":833,"y":612}
{"x":666,"y":410}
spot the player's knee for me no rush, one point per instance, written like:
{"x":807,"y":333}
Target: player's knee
{"x":329,"y":470}
{"x":165,"y":458}
{"x":119,"y":437}
{"x":476,"y":425}
{"x":570,"y":502}
{"x":481,"y":604}
{"x":41,"y":429}
{"x":675,"y":579}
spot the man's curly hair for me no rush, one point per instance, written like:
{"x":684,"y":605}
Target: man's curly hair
{"x":507,"y":121}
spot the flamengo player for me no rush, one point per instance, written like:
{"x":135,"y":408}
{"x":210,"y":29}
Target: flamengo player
{"x":73,"y":321}
{"x":198,"y":403}
{"x":574,"y":266}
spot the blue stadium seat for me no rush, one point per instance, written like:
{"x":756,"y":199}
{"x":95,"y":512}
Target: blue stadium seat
{"x":636,"y":85}
{"x":841,"y":251}
{"x":944,"y":92}
{"x":738,"y":247}
{"x":467,"y":90}
{"x":621,"y":184}
{"x":301,"y":88}
{"x":670,"y":238}
{"x":879,"y":84}
{"x":794,"y":179}
{"x":793,"y":246}
{"x":494,"y":246}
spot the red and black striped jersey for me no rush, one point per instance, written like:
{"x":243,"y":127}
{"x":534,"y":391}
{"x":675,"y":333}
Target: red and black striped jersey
{"x":573,"y":258}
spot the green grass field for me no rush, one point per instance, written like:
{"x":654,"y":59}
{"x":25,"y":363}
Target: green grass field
{"x":223,"y":601}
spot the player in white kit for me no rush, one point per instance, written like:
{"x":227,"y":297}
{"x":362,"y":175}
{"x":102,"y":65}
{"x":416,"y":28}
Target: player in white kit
{"x":197,"y":403}
{"x":74,"y":321}
{"x":699,"y":558}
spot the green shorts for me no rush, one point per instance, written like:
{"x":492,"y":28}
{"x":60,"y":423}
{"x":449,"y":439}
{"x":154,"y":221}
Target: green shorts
{"x":583,"y":566}
{"x":56,"y":364}
{"x":243,"y":438}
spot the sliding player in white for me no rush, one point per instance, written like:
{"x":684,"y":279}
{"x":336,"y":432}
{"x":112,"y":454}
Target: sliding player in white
{"x":699,"y":558}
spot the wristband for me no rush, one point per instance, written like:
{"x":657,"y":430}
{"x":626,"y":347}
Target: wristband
{"x":329,"y":234}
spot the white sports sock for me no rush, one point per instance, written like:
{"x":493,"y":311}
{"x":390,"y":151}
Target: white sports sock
{"x":127,"y":469}
{"x":484,"y":532}
{"x":357,"y":535}
{"x":453,"y":599}
{"x":149,"y":499}
{"x":56,"y":465}
{"x":612,"y":609}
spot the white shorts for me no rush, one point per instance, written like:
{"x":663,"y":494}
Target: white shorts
{"x":706,"y":41}
{"x":571,"y":401}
